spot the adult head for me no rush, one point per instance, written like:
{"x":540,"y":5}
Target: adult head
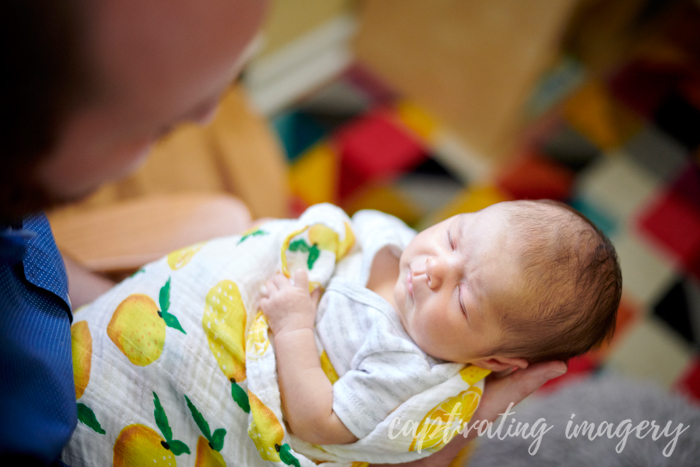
{"x":92,"y":84}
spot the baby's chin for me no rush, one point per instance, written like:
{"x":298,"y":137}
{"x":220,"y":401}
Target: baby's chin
{"x":400,"y":302}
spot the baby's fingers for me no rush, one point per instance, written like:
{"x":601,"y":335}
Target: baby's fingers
{"x":301,"y":279}
{"x":316,"y":296}
{"x":273,"y":286}
{"x":280,"y":281}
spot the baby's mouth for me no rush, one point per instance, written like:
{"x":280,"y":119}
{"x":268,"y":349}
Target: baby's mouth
{"x":409,"y":284}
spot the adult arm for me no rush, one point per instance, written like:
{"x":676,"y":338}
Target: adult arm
{"x":84,"y":286}
{"x":499,"y":393}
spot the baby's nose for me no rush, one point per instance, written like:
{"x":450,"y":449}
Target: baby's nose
{"x":435,"y":270}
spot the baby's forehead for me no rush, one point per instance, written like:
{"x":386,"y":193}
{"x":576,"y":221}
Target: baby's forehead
{"x":534,"y":221}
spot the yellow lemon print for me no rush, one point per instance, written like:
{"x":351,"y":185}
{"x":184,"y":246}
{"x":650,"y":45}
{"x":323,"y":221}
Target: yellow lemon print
{"x":257,"y":342}
{"x":267,"y":433}
{"x":346,"y":244}
{"x":179,"y":258}
{"x":443,"y":422}
{"x":327,"y":239}
{"x":81,"y":347}
{"x":265,"y":430}
{"x":206,"y":456}
{"x":324,"y":237}
{"x":327,"y":368}
{"x":137,"y":330}
{"x":224,"y":322}
{"x":137,"y":326}
{"x":472,"y":374}
{"x":138,"y":445}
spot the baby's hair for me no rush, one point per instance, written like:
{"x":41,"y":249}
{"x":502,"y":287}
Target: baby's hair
{"x":573,"y":284}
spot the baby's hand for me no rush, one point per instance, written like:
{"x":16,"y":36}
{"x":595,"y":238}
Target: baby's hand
{"x":288,"y":306}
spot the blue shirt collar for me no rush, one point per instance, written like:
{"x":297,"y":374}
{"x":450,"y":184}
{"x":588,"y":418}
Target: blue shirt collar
{"x":14,"y":242}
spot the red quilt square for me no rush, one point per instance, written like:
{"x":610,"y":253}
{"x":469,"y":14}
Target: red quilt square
{"x":643,"y":84}
{"x":577,"y":368}
{"x":374,"y":147}
{"x":689,"y":384}
{"x":533,"y":176}
{"x":687,"y":185}
{"x":674,"y":224}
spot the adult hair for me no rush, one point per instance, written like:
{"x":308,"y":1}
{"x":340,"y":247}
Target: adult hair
{"x":573,"y":284}
{"x":44,"y":78}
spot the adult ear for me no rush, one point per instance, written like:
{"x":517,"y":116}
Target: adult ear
{"x":497,"y":363}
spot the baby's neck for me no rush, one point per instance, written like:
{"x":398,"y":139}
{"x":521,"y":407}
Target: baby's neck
{"x":384,"y":274}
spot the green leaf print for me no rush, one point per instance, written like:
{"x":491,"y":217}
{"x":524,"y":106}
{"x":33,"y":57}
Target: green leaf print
{"x":287,"y":456}
{"x":162,"y":419}
{"x":299,"y":245}
{"x":164,"y":297}
{"x":87,"y":416}
{"x":252,"y":234}
{"x":240,"y":396}
{"x":178,"y":447}
{"x":199,"y":420}
{"x":217,"y":439}
{"x":164,"y":302}
{"x":314,"y":253}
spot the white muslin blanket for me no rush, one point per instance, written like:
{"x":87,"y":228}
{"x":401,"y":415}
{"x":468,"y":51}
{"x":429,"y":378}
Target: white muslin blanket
{"x":175,"y":365}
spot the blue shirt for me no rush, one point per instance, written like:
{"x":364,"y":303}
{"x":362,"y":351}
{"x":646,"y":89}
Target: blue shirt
{"x":37,"y":396}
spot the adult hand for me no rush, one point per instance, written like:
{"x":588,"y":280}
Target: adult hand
{"x":499,"y":392}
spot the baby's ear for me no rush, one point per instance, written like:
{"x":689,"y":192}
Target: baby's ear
{"x":501,"y":363}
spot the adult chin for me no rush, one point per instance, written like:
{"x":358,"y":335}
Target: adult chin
{"x":24,"y":196}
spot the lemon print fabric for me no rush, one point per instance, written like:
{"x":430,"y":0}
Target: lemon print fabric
{"x":139,"y":445}
{"x":327,"y":239}
{"x":87,"y":417}
{"x":317,"y":248}
{"x":301,"y":246}
{"x":210,"y":444}
{"x":268,"y":434}
{"x":445,"y":420}
{"x":324,"y":237}
{"x":345,"y":244}
{"x":224,"y":321}
{"x":206,"y":456}
{"x":81,"y":348}
{"x":179,"y":258}
{"x":471,"y":374}
{"x":327,"y":368}
{"x":137,"y":326}
{"x":257,"y":341}
{"x":254,"y":232}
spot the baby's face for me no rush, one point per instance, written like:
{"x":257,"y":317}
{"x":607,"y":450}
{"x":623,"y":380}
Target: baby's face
{"x":454,"y":277}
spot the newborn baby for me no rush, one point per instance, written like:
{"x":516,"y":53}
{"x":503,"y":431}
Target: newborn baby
{"x":511,"y":285}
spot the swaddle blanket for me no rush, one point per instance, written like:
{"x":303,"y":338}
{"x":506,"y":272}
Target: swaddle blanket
{"x":175,"y":365}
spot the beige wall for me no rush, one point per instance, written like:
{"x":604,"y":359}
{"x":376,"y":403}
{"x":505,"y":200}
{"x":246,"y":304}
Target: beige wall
{"x":473,"y":63}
